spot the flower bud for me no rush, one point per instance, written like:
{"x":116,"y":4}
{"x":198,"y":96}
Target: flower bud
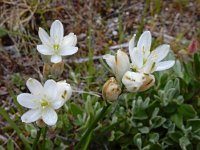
{"x":57,"y":69}
{"x":137,"y":82}
{"x":133,"y":81}
{"x":46,"y":70}
{"x":40,"y":123}
{"x":111,"y":90}
{"x":148,"y":82}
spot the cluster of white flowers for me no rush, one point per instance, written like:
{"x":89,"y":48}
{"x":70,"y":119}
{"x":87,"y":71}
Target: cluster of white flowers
{"x":44,"y":100}
{"x":137,"y":74}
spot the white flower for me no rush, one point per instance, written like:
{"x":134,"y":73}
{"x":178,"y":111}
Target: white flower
{"x":137,"y":82}
{"x":133,"y":81}
{"x":44,"y":100}
{"x":57,"y":45}
{"x":146,"y":61}
{"x":119,"y":64}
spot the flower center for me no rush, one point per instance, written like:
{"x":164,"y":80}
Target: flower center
{"x":56,"y":48}
{"x":44,"y":103}
{"x":134,"y":68}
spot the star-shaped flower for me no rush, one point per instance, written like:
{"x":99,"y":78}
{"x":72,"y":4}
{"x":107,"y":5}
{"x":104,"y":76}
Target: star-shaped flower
{"x":57,"y":45}
{"x":44,"y":100}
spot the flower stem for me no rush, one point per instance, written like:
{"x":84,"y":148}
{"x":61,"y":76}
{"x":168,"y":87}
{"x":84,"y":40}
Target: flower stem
{"x":90,"y":129}
{"x":44,"y":132}
{"x":37,"y":139}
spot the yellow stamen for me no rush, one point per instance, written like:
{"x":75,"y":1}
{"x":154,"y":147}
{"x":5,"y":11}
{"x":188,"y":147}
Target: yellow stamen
{"x":44,"y":103}
{"x":56,"y":48}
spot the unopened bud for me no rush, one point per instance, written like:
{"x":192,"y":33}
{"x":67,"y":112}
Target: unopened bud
{"x":137,"y":82}
{"x":46,"y":70}
{"x":40,"y":123}
{"x":57,"y":69}
{"x":149,"y":81}
{"x":133,"y":81}
{"x":111,"y":90}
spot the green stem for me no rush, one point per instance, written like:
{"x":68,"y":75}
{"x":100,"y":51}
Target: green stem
{"x":90,"y":128}
{"x":37,"y":138}
{"x":44,"y":137}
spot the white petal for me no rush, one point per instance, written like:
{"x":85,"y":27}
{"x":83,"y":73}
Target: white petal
{"x":64,"y":92}
{"x":110,"y":60}
{"x":160,"y":52}
{"x":149,"y":67}
{"x":131,"y":46}
{"x":133,"y":81}
{"x":34,"y":86}
{"x":31,"y":115}
{"x":57,"y":32}
{"x":44,"y":49}
{"x":122,"y":63}
{"x":137,"y":58}
{"x":56,"y":59}
{"x":49,"y":116}
{"x":144,"y":43}
{"x":44,"y":37}
{"x":69,"y":40}
{"x":68,"y":50}
{"x":62,"y":87}
{"x":50,"y":87}
{"x":164,"y":65}
{"x":28,"y":100}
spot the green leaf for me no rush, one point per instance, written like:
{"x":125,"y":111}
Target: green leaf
{"x":155,"y":112}
{"x":2,"y":148}
{"x":163,"y":79}
{"x":140,"y":114}
{"x":179,"y":100}
{"x":137,"y":140}
{"x":146,"y":103}
{"x":184,"y":142}
{"x":178,"y":69}
{"x":144,"y":130}
{"x":194,"y":123}
{"x":170,"y":93}
{"x":89,"y":107}
{"x":157,"y":121}
{"x":155,"y":147}
{"x":31,"y":129}
{"x":10,"y":145}
{"x":169,"y":85}
{"x":178,"y":120}
{"x":198,"y":146}
{"x":168,"y":124}
{"x":75,"y":109}
{"x":175,"y":136}
{"x":118,"y":135}
{"x":187,"y":111}
{"x":170,"y":108}
{"x":48,"y":144}
{"x":154,"y":137}
{"x":177,"y":84}
{"x":197,"y":64}
{"x":2,"y":32}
